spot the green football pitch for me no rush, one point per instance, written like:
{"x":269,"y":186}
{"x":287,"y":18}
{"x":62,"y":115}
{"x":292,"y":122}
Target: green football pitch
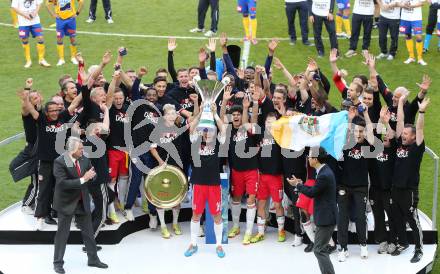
{"x":142,"y":27}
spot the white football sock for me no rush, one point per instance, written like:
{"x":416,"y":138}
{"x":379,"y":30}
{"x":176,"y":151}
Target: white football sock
{"x":122,"y":188}
{"x":111,"y":208}
{"x":235,"y":211}
{"x":280,"y":222}
{"x":260,"y":225}
{"x":176,"y":212}
{"x":250,"y":217}
{"x":195,"y":230}
{"x":309,"y":229}
{"x":161,"y":214}
{"x":218,"y":230}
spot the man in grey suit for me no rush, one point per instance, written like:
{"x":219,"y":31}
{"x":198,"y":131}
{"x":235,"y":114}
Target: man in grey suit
{"x":71,"y":198}
{"x":325,"y":211}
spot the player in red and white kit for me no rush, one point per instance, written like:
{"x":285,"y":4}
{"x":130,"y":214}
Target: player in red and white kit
{"x":205,"y":178}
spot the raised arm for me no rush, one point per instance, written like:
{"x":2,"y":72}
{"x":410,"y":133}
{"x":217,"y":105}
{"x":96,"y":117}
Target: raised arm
{"x":369,"y":136}
{"x":400,"y":116}
{"x":211,"y":46}
{"x":203,"y":56}
{"x":135,"y":92}
{"x":172,"y":45}
{"x":116,"y":80}
{"x":75,"y":104}
{"x":421,"y":121}
{"x":226,"y":97}
{"x":105,"y":60}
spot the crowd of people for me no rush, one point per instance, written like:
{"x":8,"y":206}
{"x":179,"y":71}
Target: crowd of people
{"x":163,"y":118}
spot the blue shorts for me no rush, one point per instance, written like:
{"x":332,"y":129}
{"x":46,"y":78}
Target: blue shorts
{"x":35,"y":30}
{"x":408,"y":27}
{"x":66,"y":27}
{"x":343,"y":4}
{"x":247,"y":7}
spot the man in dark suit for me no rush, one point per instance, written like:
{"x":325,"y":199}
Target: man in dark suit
{"x":71,"y":198}
{"x":325,"y":212}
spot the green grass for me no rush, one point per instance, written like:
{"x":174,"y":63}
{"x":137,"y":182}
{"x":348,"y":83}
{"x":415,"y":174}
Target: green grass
{"x":176,"y":17}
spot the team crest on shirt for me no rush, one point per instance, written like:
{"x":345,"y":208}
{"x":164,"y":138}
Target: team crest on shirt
{"x":186,"y":103}
{"x":206,"y":150}
{"x":381,"y":157}
{"x":240,"y":136}
{"x":122,"y":117}
{"x":152,"y":116}
{"x":393,"y":117}
{"x":28,"y":3}
{"x":267,"y":142}
{"x":168,"y":137}
{"x":355,"y":153}
{"x":402,"y":152}
{"x":309,"y":124}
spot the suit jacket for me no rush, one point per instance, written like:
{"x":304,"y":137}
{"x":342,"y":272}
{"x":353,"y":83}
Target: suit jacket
{"x":324,"y":194}
{"x":68,"y":187}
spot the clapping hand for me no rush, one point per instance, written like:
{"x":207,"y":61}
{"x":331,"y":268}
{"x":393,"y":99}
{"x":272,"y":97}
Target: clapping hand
{"x":89,"y":175}
{"x":294,"y":181}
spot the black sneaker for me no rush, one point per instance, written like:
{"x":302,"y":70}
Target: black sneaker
{"x":425,"y":50}
{"x":399,"y":249}
{"x":309,"y":248}
{"x":320,"y":54}
{"x":292,"y":42}
{"x":308,"y":43}
{"x":50,"y":221}
{"x":330,"y":249}
{"x":418,"y":254}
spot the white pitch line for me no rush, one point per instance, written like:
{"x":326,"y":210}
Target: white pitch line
{"x":245,"y":55}
{"x":168,"y":36}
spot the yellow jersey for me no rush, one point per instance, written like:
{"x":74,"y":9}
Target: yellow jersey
{"x":64,"y":9}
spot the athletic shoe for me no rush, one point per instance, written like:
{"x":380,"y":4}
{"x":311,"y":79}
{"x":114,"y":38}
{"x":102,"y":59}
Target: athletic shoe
{"x":425,"y":50}
{"x":128,"y":214}
{"x":40,"y":224}
{"x":202,"y":231}
{"x":281,"y":236}
{"x":177,"y":230}
{"x":194,"y":30}
{"x":247,"y":239}
{"x":418,"y":254}
{"x":166,"y":234}
{"x":74,"y":61}
{"x":61,"y":62}
{"x":257,"y":238}
{"x":50,"y":221}
{"x":220,"y":252}
{"x":153,"y":222}
{"x":341,"y":35}
{"x":190,"y":251}
{"x":297,"y":241}
{"x":110,"y":21}
{"x":399,"y":249}
{"x":391,"y":248}
{"x":292,"y":42}
{"x":342,"y":255}
{"x":409,"y":61}
{"x":246,"y":39}
{"x":90,"y":20}
{"x":309,"y":248}
{"x":28,"y":64}
{"x":350,"y":53}
{"x":330,"y":249}
{"x":234,"y":232}
{"x":254,"y":41}
{"x":383,"y":248}
{"x":114,"y":218}
{"x":210,"y":33}
{"x":308,"y":44}
{"x":421,"y":62}
{"x":390,"y":58}
{"x":27,"y":210}
{"x":44,"y":63}
{"x":364,"y":251}
{"x":382,"y":56}
{"x":320,"y":54}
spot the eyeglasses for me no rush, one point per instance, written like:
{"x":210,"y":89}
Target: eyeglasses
{"x":54,"y":110}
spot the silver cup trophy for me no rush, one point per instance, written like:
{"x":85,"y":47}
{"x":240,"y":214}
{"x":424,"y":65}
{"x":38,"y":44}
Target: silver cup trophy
{"x":208,"y":90}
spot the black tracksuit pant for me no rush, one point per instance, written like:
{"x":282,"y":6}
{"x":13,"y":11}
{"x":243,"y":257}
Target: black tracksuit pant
{"x":359,"y":196}
{"x":317,"y":32}
{"x":391,"y":25}
{"x":432,"y":18}
{"x":31,"y":191}
{"x":201,"y":13}
{"x":356,"y":22}
{"x":46,"y":184}
{"x":404,"y":208}
{"x":98,"y":191}
{"x":293,"y":197}
{"x":107,"y":9}
{"x":380,"y":201}
{"x":302,"y":9}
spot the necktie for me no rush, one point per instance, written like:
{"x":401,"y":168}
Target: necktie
{"x":78,"y":169}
